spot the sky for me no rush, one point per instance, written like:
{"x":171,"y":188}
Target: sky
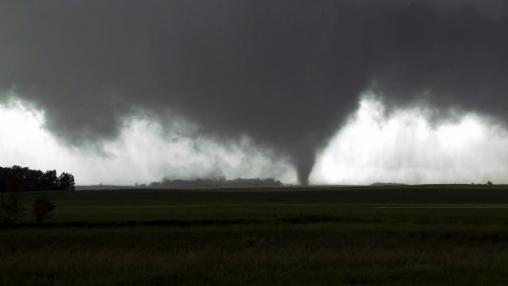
{"x":304,"y":91}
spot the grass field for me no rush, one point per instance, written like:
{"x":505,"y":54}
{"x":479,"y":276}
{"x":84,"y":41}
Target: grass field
{"x":398,"y":235}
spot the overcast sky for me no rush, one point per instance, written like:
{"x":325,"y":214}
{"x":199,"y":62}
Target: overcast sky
{"x":255,"y":88}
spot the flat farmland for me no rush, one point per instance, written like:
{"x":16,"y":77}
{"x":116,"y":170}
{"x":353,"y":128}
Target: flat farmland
{"x":395,"y":235}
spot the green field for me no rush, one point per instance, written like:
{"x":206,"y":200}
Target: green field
{"x":398,"y":235}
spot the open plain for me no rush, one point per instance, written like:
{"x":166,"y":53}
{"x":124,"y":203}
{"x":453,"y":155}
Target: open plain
{"x":393,"y":235}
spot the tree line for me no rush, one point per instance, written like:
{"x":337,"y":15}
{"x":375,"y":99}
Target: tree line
{"x":23,"y":179}
{"x":216,"y":182}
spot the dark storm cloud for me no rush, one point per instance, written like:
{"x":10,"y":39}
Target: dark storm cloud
{"x":284,"y":72}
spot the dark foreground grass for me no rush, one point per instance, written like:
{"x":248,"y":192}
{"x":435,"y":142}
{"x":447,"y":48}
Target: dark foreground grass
{"x":304,"y":237}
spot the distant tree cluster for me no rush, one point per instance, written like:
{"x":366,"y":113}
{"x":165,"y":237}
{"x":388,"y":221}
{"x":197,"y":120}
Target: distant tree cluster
{"x":22,"y":179}
{"x":215,"y":183}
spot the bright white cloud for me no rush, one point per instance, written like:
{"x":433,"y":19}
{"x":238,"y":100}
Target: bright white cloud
{"x":405,"y":147}
{"x":402,"y":146}
{"x":142,"y":152}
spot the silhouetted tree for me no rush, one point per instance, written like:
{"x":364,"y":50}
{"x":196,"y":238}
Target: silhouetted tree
{"x":42,"y":209}
{"x":66,"y":182}
{"x":49,"y":181}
